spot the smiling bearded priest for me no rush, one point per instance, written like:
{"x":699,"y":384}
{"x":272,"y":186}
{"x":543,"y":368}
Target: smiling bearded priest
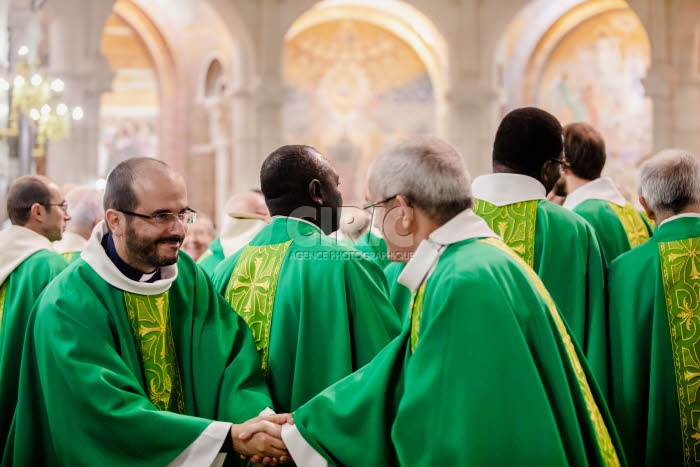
{"x":131,"y":357}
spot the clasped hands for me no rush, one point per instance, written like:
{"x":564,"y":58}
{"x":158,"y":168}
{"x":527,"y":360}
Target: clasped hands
{"x":260,"y":439}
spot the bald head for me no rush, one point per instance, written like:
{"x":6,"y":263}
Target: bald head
{"x":119,"y":190}
{"x":248,"y":202}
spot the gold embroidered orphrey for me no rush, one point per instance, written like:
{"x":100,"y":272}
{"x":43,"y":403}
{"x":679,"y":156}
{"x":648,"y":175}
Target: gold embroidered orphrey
{"x":416,"y":314}
{"x":632,"y":222}
{"x":602,"y":434}
{"x":514,"y":223}
{"x":680,"y":263}
{"x":149,"y":316}
{"x":3,"y":293}
{"x":252,"y":288}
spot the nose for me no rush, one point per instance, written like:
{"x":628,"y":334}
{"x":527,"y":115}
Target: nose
{"x":178,"y":228}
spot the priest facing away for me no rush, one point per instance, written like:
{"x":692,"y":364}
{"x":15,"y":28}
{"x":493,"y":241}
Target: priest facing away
{"x":485,"y":371}
{"x":318,"y":310}
{"x":559,"y":245}
{"x":654,"y":300}
{"x":618,"y":225}
{"x":131,"y":357}
{"x":27,"y":264}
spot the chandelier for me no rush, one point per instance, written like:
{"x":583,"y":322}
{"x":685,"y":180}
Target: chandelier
{"x":39,"y":98}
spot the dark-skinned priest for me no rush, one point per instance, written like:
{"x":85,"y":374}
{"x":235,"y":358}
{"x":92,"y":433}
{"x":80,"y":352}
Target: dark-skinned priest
{"x":318,"y":310}
{"x":484,"y":371}
{"x":559,"y":245}
{"x":131,"y":357}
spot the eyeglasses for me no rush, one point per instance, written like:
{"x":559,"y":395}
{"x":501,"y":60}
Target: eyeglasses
{"x":63,"y":205}
{"x":561,"y":161}
{"x":186,"y":216}
{"x":369,"y":206}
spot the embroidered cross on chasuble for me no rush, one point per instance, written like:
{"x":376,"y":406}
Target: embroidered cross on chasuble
{"x":3,"y":292}
{"x":632,"y":222}
{"x":149,"y":316}
{"x":252,"y":289}
{"x":514,"y":223}
{"x":680,"y":268}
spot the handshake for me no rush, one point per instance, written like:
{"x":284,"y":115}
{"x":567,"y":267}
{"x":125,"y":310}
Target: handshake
{"x":260,"y":439}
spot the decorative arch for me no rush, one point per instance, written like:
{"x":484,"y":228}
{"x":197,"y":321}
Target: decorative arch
{"x":172,"y":121}
{"x":583,"y":61}
{"x":397,"y":17}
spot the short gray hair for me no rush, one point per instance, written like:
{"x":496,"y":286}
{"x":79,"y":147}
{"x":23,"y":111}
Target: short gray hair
{"x":670,"y":181}
{"x":84,"y":208}
{"x":426,"y":170}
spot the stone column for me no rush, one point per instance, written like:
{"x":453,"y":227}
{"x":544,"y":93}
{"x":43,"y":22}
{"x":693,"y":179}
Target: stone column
{"x":75,"y":33}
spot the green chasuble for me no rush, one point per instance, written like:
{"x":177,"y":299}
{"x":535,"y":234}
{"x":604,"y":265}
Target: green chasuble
{"x":563,"y":249}
{"x":483,"y":373}
{"x":318,"y":310}
{"x":619,"y":228}
{"x":211,"y":258}
{"x":654,"y":302}
{"x":375,"y":247}
{"x":112,"y":377}
{"x":399,"y":294}
{"x":18,"y":293}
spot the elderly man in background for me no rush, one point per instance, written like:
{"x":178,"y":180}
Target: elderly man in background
{"x":85,"y":210}
{"x":28,"y":263}
{"x":245,"y":214}
{"x":199,"y":236}
{"x":654,"y":303}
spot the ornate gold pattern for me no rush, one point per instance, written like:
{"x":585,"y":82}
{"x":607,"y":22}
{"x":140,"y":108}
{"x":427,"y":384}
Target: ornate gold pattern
{"x":515,"y":223}
{"x":632,"y":222}
{"x":679,"y":267}
{"x":252,"y":288}
{"x":149,"y":316}
{"x":601,"y":431}
{"x":3,"y":293}
{"x":416,"y":314}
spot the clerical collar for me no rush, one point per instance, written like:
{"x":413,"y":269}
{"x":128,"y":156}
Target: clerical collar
{"x":128,"y":271}
{"x":463,"y":226}
{"x":680,"y":216}
{"x":602,"y":188}
{"x":503,"y":189}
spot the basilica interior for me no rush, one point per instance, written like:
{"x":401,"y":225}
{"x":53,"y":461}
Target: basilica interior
{"x":213,"y":86}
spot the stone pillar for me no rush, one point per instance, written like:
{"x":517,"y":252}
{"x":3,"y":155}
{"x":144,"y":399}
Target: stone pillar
{"x":659,"y":86}
{"x":245,"y":169}
{"x":8,"y":169}
{"x":75,"y":31}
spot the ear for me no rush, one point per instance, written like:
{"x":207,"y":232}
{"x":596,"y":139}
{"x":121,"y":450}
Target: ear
{"x":37,"y":212}
{"x":405,"y":221}
{"x":116,"y":222}
{"x":315,"y":192}
{"x":650,"y":213}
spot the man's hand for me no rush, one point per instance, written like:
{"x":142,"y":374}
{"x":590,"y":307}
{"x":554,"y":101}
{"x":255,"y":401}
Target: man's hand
{"x":261,"y":439}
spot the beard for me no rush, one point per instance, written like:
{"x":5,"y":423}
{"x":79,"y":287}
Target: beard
{"x":147,"y":249}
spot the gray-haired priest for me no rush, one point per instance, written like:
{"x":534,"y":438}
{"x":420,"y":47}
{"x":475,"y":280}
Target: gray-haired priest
{"x":484,"y":372}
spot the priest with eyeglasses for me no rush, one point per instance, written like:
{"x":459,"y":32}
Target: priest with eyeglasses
{"x":131,"y":357}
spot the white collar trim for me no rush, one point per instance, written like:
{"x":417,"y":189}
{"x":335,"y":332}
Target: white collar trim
{"x":97,"y":258}
{"x":603,"y":189}
{"x":462,"y":227}
{"x":71,"y":242}
{"x":503,"y":189}
{"x":678,"y":216}
{"x":19,"y":243}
